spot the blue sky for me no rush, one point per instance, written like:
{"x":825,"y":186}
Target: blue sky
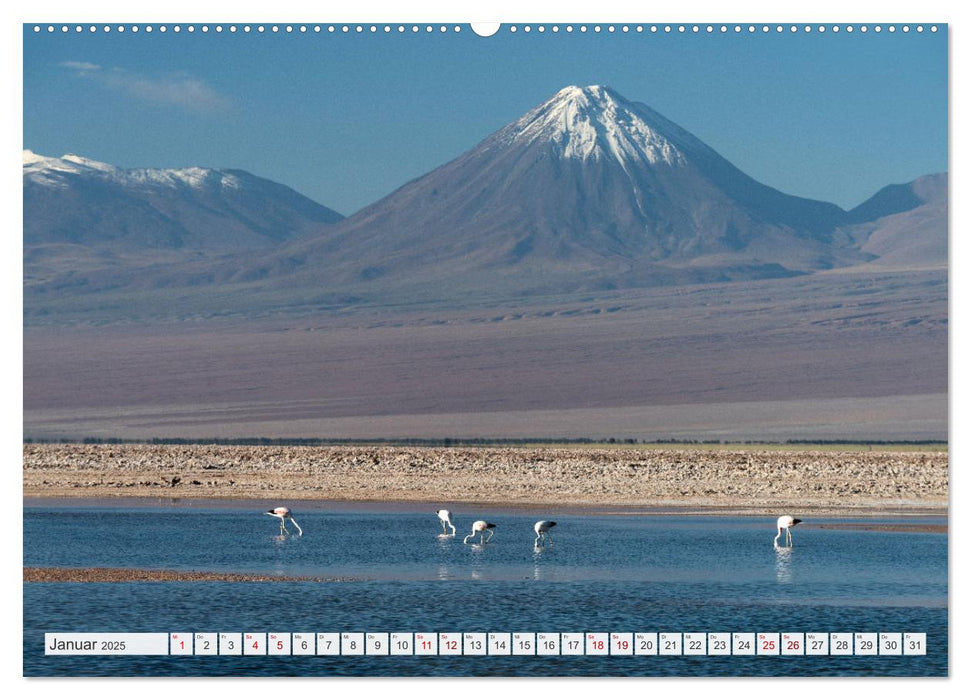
{"x":347,"y":118}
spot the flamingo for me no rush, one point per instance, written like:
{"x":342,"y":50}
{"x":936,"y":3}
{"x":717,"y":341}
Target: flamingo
{"x":785,"y":522}
{"x":542,"y":529}
{"x":480,"y":526}
{"x":284,"y":514}
{"x":446,"y":517}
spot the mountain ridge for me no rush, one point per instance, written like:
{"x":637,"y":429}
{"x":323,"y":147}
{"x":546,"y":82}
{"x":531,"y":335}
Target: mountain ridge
{"x":84,"y":200}
{"x":587,"y":191}
{"x":897,"y":198}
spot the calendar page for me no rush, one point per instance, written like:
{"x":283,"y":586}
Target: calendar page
{"x":534,"y":349}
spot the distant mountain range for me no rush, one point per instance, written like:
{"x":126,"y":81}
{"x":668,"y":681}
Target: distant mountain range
{"x":587,"y":191}
{"x":79,"y":201}
{"x":85,"y":217}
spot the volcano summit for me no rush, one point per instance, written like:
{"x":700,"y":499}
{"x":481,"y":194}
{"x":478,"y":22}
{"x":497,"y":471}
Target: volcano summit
{"x":586,"y":191}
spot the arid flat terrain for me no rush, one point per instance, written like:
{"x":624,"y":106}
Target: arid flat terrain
{"x":732,"y":478}
{"x":835,"y":356}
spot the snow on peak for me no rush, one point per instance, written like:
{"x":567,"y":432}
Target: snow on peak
{"x":52,"y":171}
{"x":594,"y":122}
{"x":88,"y":163}
{"x":30,"y":157}
{"x":193,"y":177}
{"x":44,"y":165}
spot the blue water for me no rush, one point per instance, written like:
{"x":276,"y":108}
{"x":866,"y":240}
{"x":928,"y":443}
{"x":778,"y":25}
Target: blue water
{"x":617,"y":573}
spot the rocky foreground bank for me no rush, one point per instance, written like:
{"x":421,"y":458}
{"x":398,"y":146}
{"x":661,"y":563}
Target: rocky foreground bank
{"x":109,"y":575}
{"x":725,"y":478}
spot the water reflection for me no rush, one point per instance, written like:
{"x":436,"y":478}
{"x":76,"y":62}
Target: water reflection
{"x":783,"y":564}
{"x":538,"y":553}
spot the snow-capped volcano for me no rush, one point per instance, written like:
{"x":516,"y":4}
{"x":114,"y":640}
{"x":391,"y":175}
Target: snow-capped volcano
{"x":593,"y":122}
{"x":585,"y":190}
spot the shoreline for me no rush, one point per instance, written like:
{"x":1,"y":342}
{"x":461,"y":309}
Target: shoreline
{"x":682,"y":480}
{"x":861,"y":511}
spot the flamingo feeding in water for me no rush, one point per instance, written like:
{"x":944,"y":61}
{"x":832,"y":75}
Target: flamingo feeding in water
{"x":446,"y":517}
{"x":481,"y":527}
{"x":784,"y":523}
{"x":542,"y":529}
{"x":284,"y":514}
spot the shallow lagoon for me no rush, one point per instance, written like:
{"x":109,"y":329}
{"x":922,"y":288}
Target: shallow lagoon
{"x":603,"y":573}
